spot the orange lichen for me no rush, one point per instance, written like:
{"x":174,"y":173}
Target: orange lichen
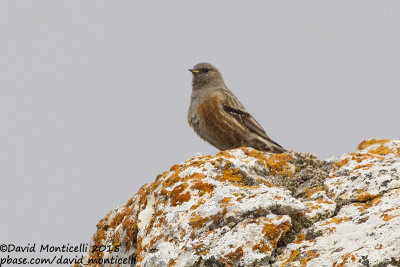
{"x":197,"y":221}
{"x":336,"y":220}
{"x":264,"y":182}
{"x":155,"y":216}
{"x":115,"y":241}
{"x":381,"y":150}
{"x":130,"y":202}
{"x":98,"y":238}
{"x":201,"y":201}
{"x":311,"y":254}
{"x":260,"y":156}
{"x":366,"y":205}
{"x":174,"y":167}
{"x":367,"y":143}
{"x":183,"y":233}
{"x":386,"y":216}
{"x":202,"y":187}
{"x":271,"y":231}
{"x":235,"y":255}
{"x":262,"y":247}
{"x":292,"y":256}
{"x":323,"y":201}
{"x":300,"y":238}
{"x":232,"y":175}
{"x":118,"y":218}
{"x":196,"y":175}
{"x":142,"y":195}
{"x":331,"y":229}
{"x":359,"y":157}
{"x":171,"y":262}
{"x":198,"y":247}
{"x":340,"y":164}
{"x":312,"y":206}
{"x":363,"y":166}
{"x":171,"y":180}
{"x":180,"y":198}
{"x":130,"y":227}
{"x":312,"y":191}
{"x":217,"y":217}
{"x":103,"y":223}
{"x":365,"y":196}
{"x":153,"y":186}
{"x":177,"y":196}
{"x":154,"y":240}
{"x":225,"y":202}
{"x":225,"y":154}
{"x":278,"y":163}
{"x":345,"y":260}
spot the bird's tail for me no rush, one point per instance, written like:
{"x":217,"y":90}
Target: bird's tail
{"x":268,"y":145}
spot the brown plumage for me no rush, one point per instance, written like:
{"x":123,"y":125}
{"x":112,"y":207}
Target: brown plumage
{"x":218,"y":117}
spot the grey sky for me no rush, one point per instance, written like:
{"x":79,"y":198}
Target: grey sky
{"x":94,"y":94}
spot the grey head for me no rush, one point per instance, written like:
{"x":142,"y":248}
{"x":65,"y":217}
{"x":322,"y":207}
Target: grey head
{"x":205,"y":74}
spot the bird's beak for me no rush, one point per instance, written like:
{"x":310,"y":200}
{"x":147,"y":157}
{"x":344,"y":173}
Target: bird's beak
{"x":194,"y":71}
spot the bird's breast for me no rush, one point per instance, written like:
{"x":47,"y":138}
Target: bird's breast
{"x":215,"y":126}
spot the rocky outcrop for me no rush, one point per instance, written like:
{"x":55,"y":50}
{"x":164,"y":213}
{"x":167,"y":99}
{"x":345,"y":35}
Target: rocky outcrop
{"x":242,"y":207}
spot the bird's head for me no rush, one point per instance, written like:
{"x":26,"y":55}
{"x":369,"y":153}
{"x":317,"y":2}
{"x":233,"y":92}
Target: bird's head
{"x":205,"y":74}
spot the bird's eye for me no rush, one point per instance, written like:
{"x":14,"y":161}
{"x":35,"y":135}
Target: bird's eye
{"x":206,"y":70}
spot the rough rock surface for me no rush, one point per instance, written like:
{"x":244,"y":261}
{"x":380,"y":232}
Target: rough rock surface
{"x":242,"y":207}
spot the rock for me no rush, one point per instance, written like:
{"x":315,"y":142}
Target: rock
{"x":242,"y":207}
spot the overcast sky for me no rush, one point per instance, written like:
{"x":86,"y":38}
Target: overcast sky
{"x":94,"y":94}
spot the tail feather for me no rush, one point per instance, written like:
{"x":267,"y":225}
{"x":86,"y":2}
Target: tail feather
{"x":266,"y":145}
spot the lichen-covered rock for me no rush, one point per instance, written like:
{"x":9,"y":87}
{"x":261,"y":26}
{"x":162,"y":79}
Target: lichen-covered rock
{"x":242,"y":207}
{"x":366,"y":229}
{"x":370,"y":171}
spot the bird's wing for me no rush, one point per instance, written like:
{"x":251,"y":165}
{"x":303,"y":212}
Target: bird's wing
{"x":235,"y":109}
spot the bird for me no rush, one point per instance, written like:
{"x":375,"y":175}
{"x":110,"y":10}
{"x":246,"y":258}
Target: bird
{"x":218,"y":117}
